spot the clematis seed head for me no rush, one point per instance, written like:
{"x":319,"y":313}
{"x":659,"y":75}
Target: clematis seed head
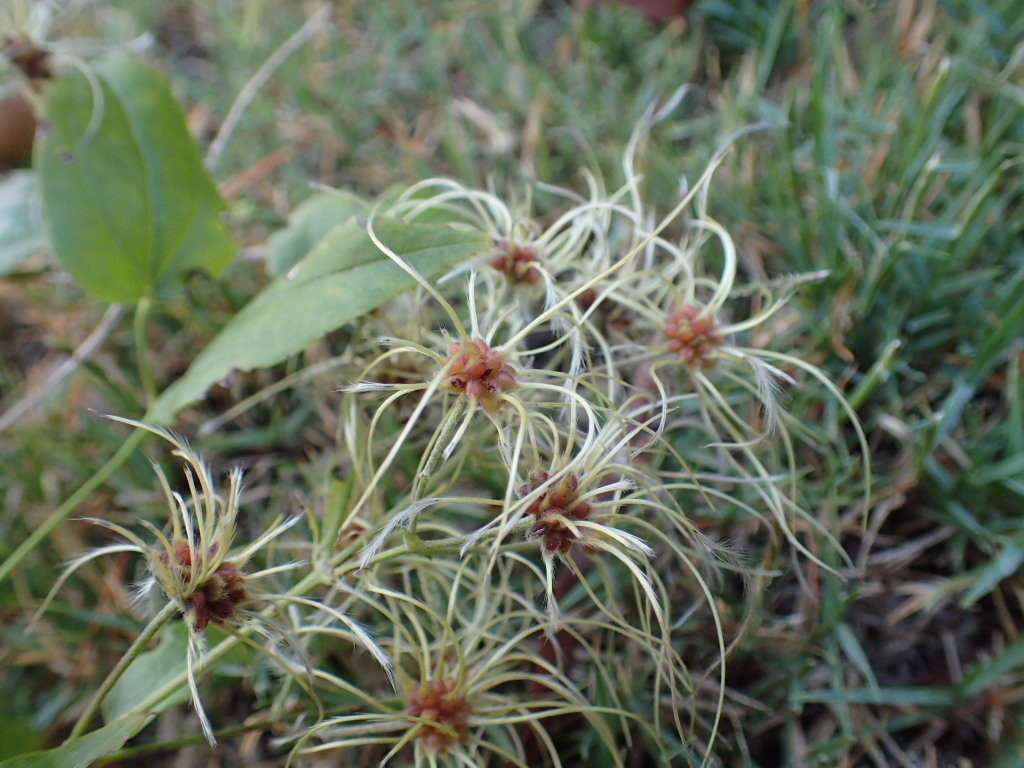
{"x":440,"y":701}
{"x":517,"y":263}
{"x":692,"y":337}
{"x":479,"y":372}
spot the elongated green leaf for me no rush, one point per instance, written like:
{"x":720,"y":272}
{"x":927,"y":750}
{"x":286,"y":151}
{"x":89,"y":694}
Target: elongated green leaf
{"x":127,"y":206}
{"x":310,"y":222}
{"x":149,"y":671}
{"x":984,"y":578}
{"x":307,"y":226}
{"x":989,"y":672}
{"x":1010,"y":312}
{"x":85,"y":750}
{"x":854,"y":651}
{"x":17,"y":736}
{"x":344,"y":277}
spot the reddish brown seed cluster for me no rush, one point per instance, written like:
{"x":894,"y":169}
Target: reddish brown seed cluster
{"x":691,"y":337}
{"x":216,"y":598}
{"x":33,"y":61}
{"x":517,"y":262}
{"x":479,"y":372}
{"x":440,"y":702}
{"x":553,"y":508}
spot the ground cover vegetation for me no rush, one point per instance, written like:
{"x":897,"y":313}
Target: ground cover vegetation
{"x":492,"y":383}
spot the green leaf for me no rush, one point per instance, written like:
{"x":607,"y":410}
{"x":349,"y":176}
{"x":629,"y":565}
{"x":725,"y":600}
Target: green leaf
{"x":307,"y":226}
{"x":149,"y":671}
{"x":854,"y":651}
{"x":344,"y":277}
{"x":126,"y":204}
{"x":991,"y":672}
{"x":20,"y":235}
{"x":315,"y":217}
{"x":84,"y":750}
{"x":984,"y":578}
{"x":17,"y":736}
{"x":1010,"y":315}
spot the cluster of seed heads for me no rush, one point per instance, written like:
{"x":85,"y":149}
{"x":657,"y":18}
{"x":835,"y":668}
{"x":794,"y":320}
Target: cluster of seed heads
{"x":479,"y":372}
{"x":33,"y":60}
{"x":692,"y":337}
{"x":439,"y":701}
{"x":554,"y":510}
{"x":216,"y":597}
{"x":518,"y":263}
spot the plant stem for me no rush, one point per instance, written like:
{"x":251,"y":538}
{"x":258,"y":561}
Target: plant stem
{"x":58,"y":515}
{"x":129,"y":656}
{"x":142,"y":349}
{"x":447,"y":430}
{"x":442,"y":440}
{"x":876,"y":374}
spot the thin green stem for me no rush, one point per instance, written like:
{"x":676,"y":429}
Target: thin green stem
{"x":71,"y":503}
{"x":447,"y":430}
{"x":875,"y":375}
{"x":442,"y":439}
{"x":142,"y":348}
{"x":144,"y":638}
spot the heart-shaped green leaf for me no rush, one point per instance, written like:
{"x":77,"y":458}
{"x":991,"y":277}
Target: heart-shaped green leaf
{"x":20,"y":234}
{"x":127,"y":206}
